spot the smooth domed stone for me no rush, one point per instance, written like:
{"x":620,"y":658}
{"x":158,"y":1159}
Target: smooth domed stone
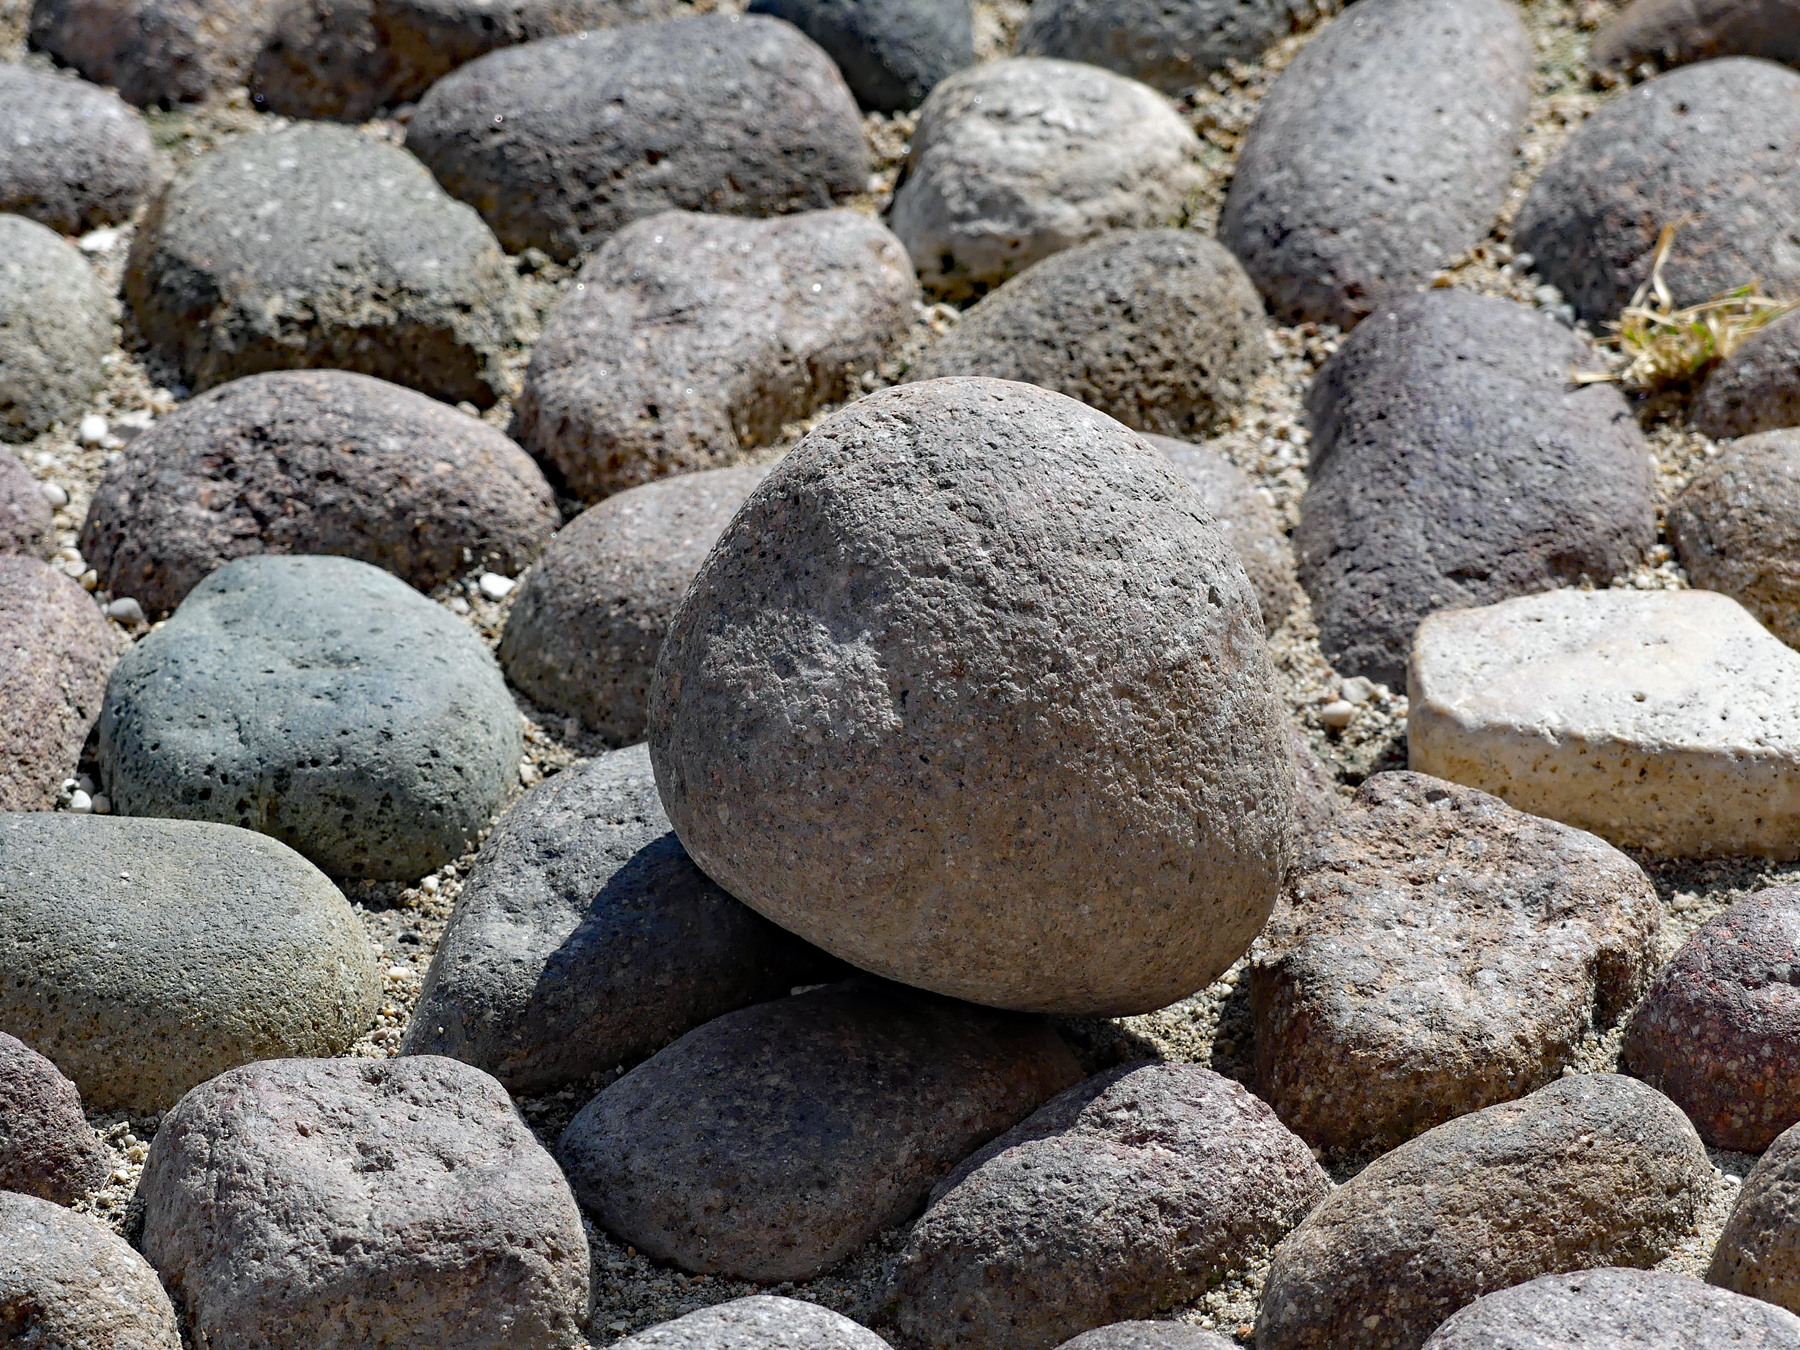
{"x":1158,"y":328}
{"x":563,"y":142}
{"x":1759,"y":1252}
{"x":1642,"y":1309}
{"x":27,"y":525}
{"x":47,"y":1148}
{"x":66,"y":1280}
{"x":689,"y":339}
{"x":774,"y":1141}
{"x":590,"y":617}
{"x":1453,"y":464}
{"x":321,"y":701}
{"x":1756,"y":388}
{"x":1016,"y":160}
{"x":1148,"y":1336}
{"x":1660,"y":720}
{"x":1245,"y":517}
{"x":1675,"y":32}
{"x":1171,"y":46}
{"x":59,"y":652}
{"x":1380,"y":154}
{"x":1138,"y":1189}
{"x":309,"y":1202}
{"x":974,"y":694}
{"x":584,"y":938}
{"x":72,"y":156}
{"x":1677,"y":150}
{"x":155,"y":51}
{"x":892,"y":53}
{"x":359,"y":262}
{"x":314,"y":462}
{"x":761,"y":1322}
{"x":1595,"y":1169}
{"x":1373,"y":1021}
{"x":145,"y":956}
{"x":1720,"y":1030}
{"x":55,"y":325}
{"x":1736,"y":528}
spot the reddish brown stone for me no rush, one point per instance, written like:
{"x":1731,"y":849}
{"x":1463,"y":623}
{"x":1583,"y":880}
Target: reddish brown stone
{"x":26,"y":522}
{"x":57,"y":654}
{"x":47,"y":1148}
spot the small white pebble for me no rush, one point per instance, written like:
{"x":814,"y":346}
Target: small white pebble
{"x":55,"y":496}
{"x":1337,"y":714}
{"x":458,"y":605}
{"x":98,"y":241}
{"x":398,"y":972}
{"x":1359,"y":689}
{"x":93,"y":429}
{"x":80,"y":803}
{"x":429,"y":885}
{"x":102,"y":804}
{"x":125,"y":610}
{"x":90,"y":580}
{"x":494,"y":586}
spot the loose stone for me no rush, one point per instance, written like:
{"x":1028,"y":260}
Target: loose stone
{"x":155,"y":51}
{"x":892,"y":52}
{"x":1756,"y":388}
{"x":1737,"y":523}
{"x":73,"y":157}
{"x":1675,"y":32}
{"x":55,"y":325}
{"x":67,"y":1281}
{"x":47,"y":1148}
{"x":1148,"y":1336}
{"x":1759,"y":1251}
{"x":50,"y":696}
{"x":26,"y":524}
{"x":761,"y":1322}
{"x":1172,"y":47}
{"x":1245,"y":517}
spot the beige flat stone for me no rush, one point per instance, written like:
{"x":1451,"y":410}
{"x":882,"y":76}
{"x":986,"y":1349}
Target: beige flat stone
{"x":1661,"y":720}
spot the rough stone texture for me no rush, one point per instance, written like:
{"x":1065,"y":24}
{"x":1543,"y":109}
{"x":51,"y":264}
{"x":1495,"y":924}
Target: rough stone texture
{"x":1380,"y":154}
{"x":1675,"y":32}
{"x":892,"y":53}
{"x":1436,"y":952}
{"x":1595,"y":1169}
{"x":1759,"y":1251}
{"x":66,"y":1280}
{"x":1171,"y":46}
{"x":1736,"y":528}
{"x":563,"y":142}
{"x":1720,"y":1030}
{"x":1677,"y":149}
{"x":1149,"y":1336}
{"x":776,"y":1140}
{"x":689,"y":339}
{"x":27,"y":524}
{"x":321,"y":701}
{"x":314,"y":462}
{"x":586,"y":938}
{"x":1453,"y":464}
{"x":1245,"y":517}
{"x":1136,"y":1190}
{"x":47,"y":1148}
{"x":1018,"y":159}
{"x":55,"y":325}
{"x":371,"y":1202}
{"x":973,"y":694}
{"x":1158,"y":328}
{"x":1316,"y":801}
{"x":51,"y":695}
{"x":145,"y":956}
{"x":761,"y":1322}
{"x":155,"y":51}
{"x":1661,"y":720}
{"x":359,"y":263}
{"x":72,"y":156}
{"x":1640,"y":1309}
{"x":1756,"y":388}
{"x":589,"y":620}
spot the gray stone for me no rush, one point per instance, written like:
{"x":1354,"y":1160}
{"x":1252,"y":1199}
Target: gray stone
{"x":1736,"y":528}
{"x":1171,"y":46}
{"x":321,"y":701}
{"x":560,"y":143}
{"x":1158,"y":328}
{"x":55,"y":325}
{"x":72,"y":157}
{"x":27,"y":524}
{"x":774,"y":1141}
{"x":67,"y":1281}
{"x":1137,"y":1190}
{"x":1454,"y":465}
{"x":50,"y":696}
{"x":973,"y":694}
{"x":892,"y":53}
{"x":1675,"y":32}
{"x":314,"y":462}
{"x":1316,"y":800}
{"x":155,"y":51}
{"x":689,"y":339}
{"x":590,"y":617}
{"x":1677,"y":150}
{"x":145,"y":956}
{"x":1381,"y":153}
{"x":358,"y":262}
{"x":585,"y":938}
{"x":1148,"y":1336}
{"x":1015,"y":160}
{"x":1758,"y":1254}
{"x":1594,"y":1169}
{"x":761,"y":1322}
{"x":1757,"y":387}
{"x":309,"y":1202}
{"x":47,"y":1148}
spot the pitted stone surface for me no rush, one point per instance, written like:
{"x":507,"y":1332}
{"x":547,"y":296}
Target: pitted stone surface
{"x":892,"y":52}
{"x":66,"y":1280}
{"x":1170,"y":46}
{"x":1148,"y":1336}
{"x":1757,"y":387}
{"x":760,"y":1322}
{"x":47,"y":1148}
{"x":1675,"y":32}
{"x":1247,"y":519}
{"x":1759,"y":1252}
{"x":156,"y":51}
{"x":72,"y":157}
{"x":1736,"y":528}
{"x":55,"y":325}
{"x":59,"y":653}
{"x":27,"y":524}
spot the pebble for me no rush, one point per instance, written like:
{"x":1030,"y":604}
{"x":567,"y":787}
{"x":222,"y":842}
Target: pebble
{"x":26,"y":523}
{"x":145,"y":956}
{"x":1756,"y":388}
{"x":55,"y":325}
{"x":563,"y":142}
{"x":67,"y":1281}
{"x":494,"y":586}
{"x":847,"y":750}
{"x":1675,"y":32}
{"x":1017,"y":159}
{"x":1337,"y":714}
{"x":92,"y":429}
{"x":1148,"y":1336}
{"x":1138,"y":1189}
{"x":689,"y":339}
{"x":398,"y":1201}
{"x":1758,"y":1254}
{"x":47,"y":1148}
{"x":73,"y":157}
{"x":892,"y":53}
{"x":1593,"y":1169}
{"x":760,"y":1322}
{"x":125,"y":610}
{"x":1172,"y":47}
{"x":50,"y":696}
{"x":155,"y":52}
{"x":1660,"y":720}
{"x":321,"y":701}
{"x":1737,"y":523}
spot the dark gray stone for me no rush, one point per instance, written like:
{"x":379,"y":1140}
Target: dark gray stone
{"x":314,"y":462}
{"x":66,"y":1280}
{"x":1380,"y":154}
{"x":1736,"y":525}
{"x":1677,"y":150}
{"x":145,"y":956}
{"x":357,"y":262}
{"x":1594,"y":1169}
{"x":1675,"y":32}
{"x":309,"y":1202}
{"x":892,"y":53}
{"x":1137,"y":1190}
{"x":1757,"y":387}
{"x":761,"y":1322}
{"x":560,"y":143}
{"x":1758,"y":1254}
{"x":55,"y":325}
{"x":155,"y":51}
{"x":321,"y":701}
{"x":974,"y":694}
{"x":774,"y":1141}
{"x":27,"y":524}
{"x":59,"y":653}
{"x":72,"y":157}
{"x":1169,"y":44}
{"x":47,"y":1148}
{"x":1454,"y":465}
{"x":1148,"y":1336}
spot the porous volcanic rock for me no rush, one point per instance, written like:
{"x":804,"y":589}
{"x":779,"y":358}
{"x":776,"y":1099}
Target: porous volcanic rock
{"x":1675,"y":32}
{"x":1757,"y":387}
{"x":1148,"y":1336}
{"x":73,"y":157}
{"x":1316,"y":801}
{"x":66,"y":1280}
{"x":27,"y":524}
{"x":1736,"y":528}
{"x":47,"y":1148}
{"x":156,"y":51}
{"x":760,"y":1322}
{"x":892,"y":53}
{"x":1171,"y":46}
{"x":55,"y":325}
{"x":59,"y":653}
{"x":1246,"y":518}
{"x":1759,"y":1252}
